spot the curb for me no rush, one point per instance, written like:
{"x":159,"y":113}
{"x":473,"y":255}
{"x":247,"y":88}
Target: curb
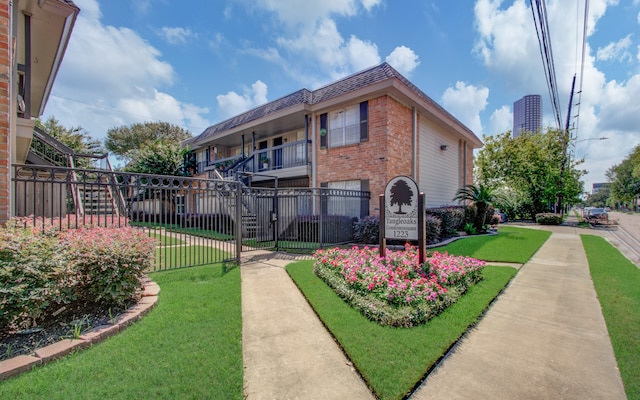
{"x":52,"y":352}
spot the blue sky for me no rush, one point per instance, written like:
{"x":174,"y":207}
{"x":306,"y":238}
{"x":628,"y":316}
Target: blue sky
{"x":198,"y":62}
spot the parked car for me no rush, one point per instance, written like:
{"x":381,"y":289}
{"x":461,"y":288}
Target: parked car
{"x":501,"y":216}
{"x":597,"y":214}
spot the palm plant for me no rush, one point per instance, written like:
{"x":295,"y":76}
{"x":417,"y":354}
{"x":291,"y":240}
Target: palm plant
{"x":482,"y":197}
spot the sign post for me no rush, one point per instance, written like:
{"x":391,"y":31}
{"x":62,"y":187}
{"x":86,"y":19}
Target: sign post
{"x":402,"y":214}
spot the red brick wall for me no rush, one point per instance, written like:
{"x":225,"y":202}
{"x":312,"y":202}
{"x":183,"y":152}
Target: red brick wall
{"x":5,"y":127}
{"x":387,"y":153}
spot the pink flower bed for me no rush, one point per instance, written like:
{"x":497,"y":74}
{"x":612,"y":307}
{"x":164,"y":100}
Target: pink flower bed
{"x":396,"y":290}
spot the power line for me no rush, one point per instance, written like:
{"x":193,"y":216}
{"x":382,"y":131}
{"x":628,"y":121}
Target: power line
{"x":584,"y":47}
{"x":539,"y":13}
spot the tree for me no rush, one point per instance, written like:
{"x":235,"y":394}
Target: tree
{"x":482,"y":197}
{"x":76,"y":138}
{"x":159,"y":158}
{"x":528,"y":171}
{"x":401,"y":195}
{"x":624,"y":178}
{"x":123,"y":141}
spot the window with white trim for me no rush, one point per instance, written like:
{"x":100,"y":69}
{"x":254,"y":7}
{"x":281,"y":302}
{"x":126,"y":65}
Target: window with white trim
{"x":344,"y":126}
{"x":344,"y":206}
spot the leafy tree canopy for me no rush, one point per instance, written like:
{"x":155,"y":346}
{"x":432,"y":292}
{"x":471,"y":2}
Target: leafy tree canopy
{"x":76,"y":138}
{"x":159,"y":158}
{"x":624,"y":178}
{"x":527,"y":171}
{"x":124,"y":141}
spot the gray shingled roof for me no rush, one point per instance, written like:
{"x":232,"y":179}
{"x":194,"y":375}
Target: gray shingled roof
{"x":353,"y":82}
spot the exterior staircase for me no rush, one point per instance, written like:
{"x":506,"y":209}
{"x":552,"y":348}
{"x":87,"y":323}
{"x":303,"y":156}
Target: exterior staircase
{"x":249,"y":219}
{"x":90,"y":187}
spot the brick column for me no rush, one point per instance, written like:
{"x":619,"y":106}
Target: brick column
{"x":5,"y":110}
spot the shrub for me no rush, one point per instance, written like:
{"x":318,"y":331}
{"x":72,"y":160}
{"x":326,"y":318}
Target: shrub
{"x":27,"y":276}
{"x":470,"y":229}
{"x":452,"y":219}
{"x":433,"y":229}
{"x":110,"y":263}
{"x":469,"y":215}
{"x":548,"y":219}
{"x":367,"y":230}
{"x":44,"y":265}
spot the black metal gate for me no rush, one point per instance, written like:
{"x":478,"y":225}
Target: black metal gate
{"x":300,"y":219}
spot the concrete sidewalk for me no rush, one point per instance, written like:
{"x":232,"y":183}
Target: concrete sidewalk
{"x":544,"y":337}
{"x":287,"y":352}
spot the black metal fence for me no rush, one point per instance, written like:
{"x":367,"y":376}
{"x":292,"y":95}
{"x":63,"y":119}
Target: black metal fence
{"x":193,"y":220}
{"x":196,"y":221}
{"x":301,"y":218}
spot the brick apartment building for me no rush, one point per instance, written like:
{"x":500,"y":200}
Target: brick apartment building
{"x":33,"y":38}
{"x":356,"y":133}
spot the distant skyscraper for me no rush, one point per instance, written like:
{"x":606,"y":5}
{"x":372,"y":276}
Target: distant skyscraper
{"x":527,"y":114}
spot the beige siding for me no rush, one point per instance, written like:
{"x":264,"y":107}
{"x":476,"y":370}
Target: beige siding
{"x":438,"y":170}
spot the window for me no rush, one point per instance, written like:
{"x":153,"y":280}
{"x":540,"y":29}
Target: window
{"x":346,"y":126}
{"x":343,"y":203}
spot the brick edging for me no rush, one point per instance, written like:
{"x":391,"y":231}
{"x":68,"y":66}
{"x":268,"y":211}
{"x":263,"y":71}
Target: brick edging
{"x":23,"y":363}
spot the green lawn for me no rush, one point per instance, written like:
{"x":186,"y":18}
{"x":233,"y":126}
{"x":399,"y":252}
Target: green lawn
{"x":205,"y":233}
{"x":175,"y":257}
{"x":617,"y":282}
{"x":515,"y":245}
{"x":393,"y":360}
{"x":188,"y":347}
{"x":164,"y":240}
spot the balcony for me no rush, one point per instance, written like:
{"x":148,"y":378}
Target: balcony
{"x":288,"y":160}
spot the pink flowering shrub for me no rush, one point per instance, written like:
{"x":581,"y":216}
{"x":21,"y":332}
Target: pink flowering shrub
{"x":43,"y":268}
{"x":396,"y":290}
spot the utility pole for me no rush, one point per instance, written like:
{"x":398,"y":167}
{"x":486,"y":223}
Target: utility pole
{"x":565,"y":145}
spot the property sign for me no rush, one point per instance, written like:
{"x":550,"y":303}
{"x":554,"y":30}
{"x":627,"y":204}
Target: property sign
{"x":401,"y":210}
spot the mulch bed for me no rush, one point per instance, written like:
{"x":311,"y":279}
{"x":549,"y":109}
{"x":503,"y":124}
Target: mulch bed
{"x":70,"y":322}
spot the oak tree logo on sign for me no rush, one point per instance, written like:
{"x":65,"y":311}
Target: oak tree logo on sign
{"x":401,"y":209}
{"x":401,"y":194}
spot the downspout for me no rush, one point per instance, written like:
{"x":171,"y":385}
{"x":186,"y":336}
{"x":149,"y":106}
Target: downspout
{"x":414,"y":161}
{"x":314,"y":153}
{"x":11,"y":118}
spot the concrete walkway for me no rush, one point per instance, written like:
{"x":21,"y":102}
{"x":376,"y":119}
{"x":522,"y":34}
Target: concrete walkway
{"x":287,"y":352}
{"x":544,"y":338}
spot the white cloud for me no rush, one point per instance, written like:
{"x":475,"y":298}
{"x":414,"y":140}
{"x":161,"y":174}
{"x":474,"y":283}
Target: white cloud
{"x":309,"y":41}
{"x":369,"y":4}
{"x":361,"y":54}
{"x":110,"y":77}
{"x":297,"y":14}
{"x":619,"y":108}
{"x":501,"y":120}
{"x":508,"y":46}
{"x":466,"y":102}
{"x":325,"y":47}
{"x":177,"y":35}
{"x":616,"y":50}
{"x":232,"y":103}
{"x":403,"y":59}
